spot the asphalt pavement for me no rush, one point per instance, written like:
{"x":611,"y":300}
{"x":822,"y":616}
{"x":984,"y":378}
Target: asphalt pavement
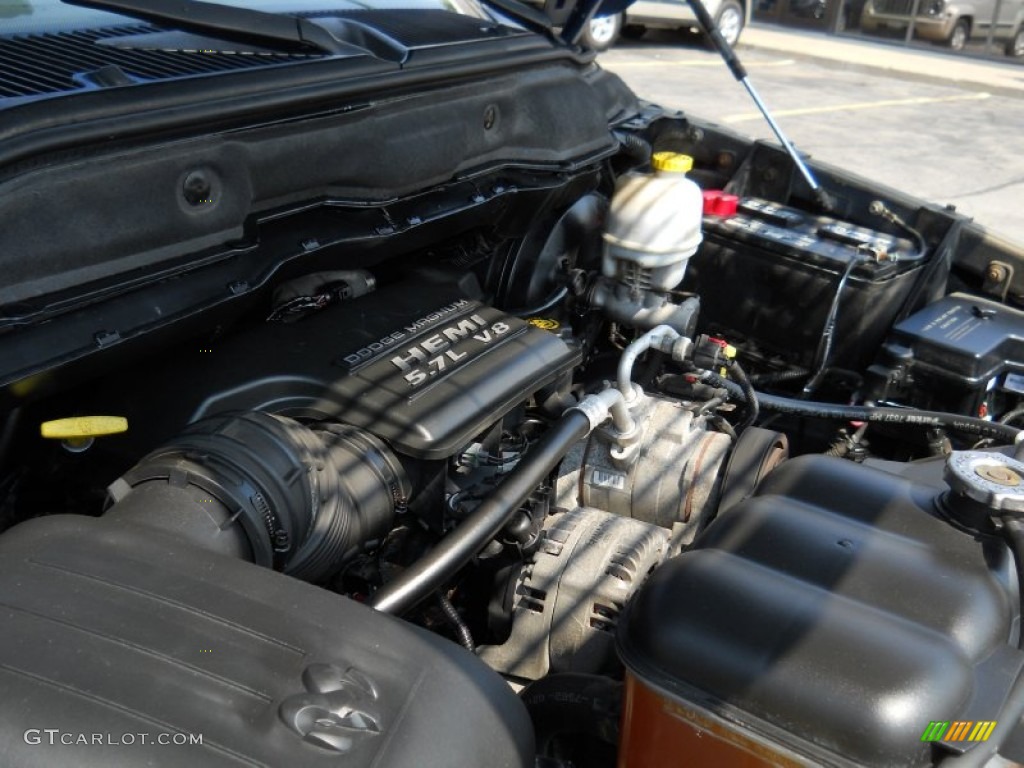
{"x":880,"y":55}
{"x":946,"y":128}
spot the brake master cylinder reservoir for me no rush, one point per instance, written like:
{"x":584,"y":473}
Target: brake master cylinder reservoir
{"x":654,"y":225}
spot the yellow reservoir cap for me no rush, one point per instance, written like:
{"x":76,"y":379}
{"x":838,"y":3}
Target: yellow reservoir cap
{"x":78,"y":427}
{"x":674,"y":162}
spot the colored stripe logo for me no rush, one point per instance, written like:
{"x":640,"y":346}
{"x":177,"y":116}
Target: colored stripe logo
{"x":958,"y":730}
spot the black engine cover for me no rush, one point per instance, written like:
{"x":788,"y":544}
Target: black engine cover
{"x":116,"y":637}
{"x":422,"y":364}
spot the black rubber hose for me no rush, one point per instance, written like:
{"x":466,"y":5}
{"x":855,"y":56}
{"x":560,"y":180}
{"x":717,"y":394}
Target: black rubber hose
{"x":749,"y":395}
{"x":873,"y":413}
{"x":460,"y":546}
{"x":460,"y":626}
{"x":1013,"y":532}
{"x":741,"y":389}
{"x":909,"y":416}
{"x":635,"y":147}
{"x":720,"y":382}
{"x":779,"y":377}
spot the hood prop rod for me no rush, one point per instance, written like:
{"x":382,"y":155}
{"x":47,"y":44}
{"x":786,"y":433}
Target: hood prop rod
{"x":740,"y":73}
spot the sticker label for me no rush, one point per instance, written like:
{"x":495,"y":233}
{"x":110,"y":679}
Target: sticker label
{"x":604,"y":479}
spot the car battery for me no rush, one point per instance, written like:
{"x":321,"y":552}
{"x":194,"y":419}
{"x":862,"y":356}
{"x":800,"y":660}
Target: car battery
{"x":961,"y":353}
{"x":767,"y":276}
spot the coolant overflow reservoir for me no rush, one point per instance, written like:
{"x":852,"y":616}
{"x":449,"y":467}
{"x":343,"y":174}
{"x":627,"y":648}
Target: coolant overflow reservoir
{"x":654,"y":225}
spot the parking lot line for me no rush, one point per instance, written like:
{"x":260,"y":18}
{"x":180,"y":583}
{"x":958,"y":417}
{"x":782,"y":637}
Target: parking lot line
{"x":856,"y":106}
{"x":716,"y":62}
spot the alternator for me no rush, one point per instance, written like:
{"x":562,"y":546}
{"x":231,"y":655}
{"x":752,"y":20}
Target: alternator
{"x":567,"y":599}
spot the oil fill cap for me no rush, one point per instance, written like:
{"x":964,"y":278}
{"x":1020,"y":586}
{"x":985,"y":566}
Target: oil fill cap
{"x":992,"y":479}
{"x":673,"y":162}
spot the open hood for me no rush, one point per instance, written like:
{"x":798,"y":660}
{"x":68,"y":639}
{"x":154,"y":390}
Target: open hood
{"x":357,"y":363}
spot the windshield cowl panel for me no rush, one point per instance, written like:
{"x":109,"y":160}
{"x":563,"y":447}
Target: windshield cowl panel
{"x":55,"y":57}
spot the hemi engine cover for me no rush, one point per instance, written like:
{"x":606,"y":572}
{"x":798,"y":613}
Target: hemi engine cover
{"x":422,"y":364}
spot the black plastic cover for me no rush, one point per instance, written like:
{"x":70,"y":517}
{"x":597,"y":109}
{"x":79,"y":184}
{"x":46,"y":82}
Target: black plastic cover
{"x":963,"y":338}
{"x":118,"y":631}
{"x":419,"y":364}
{"x":832,"y":612}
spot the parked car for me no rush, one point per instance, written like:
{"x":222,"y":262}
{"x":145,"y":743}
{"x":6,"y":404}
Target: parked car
{"x":951,"y":22}
{"x":603,"y":30}
{"x":394,"y":387}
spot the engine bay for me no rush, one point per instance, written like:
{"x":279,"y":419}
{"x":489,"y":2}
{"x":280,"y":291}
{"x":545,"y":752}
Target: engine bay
{"x":695,"y":467}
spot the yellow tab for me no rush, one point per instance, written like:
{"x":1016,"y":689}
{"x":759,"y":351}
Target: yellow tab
{"x":729,"y":351}
{"x":77,"y":427}
{"x":544,"y":322}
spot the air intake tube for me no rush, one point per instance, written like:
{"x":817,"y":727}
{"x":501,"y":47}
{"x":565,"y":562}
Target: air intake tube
{"x":267,"y":489}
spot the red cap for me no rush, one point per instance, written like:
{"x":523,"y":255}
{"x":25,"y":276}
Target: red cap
{"x":718,"y":203}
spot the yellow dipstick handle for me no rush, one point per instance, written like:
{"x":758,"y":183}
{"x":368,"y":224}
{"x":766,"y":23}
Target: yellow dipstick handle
{"x":81,"y":427}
